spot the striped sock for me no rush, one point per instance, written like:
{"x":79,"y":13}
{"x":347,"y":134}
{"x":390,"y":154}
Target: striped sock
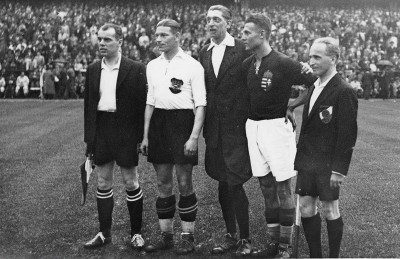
{"x":134,"y":201}
{"x":187,"y":207}
{"x":105,"y":206}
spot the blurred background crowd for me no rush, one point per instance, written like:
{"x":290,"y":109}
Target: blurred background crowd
{"x":46,"y":46}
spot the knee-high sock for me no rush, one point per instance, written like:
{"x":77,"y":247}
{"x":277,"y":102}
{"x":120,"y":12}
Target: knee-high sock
{"x":105,"y":206}
{"x":286,"y":217}
{"x":335,"y":233}
{"x":134,"y":201}
{"x":187,"y":208}
{"x":165,"y":211}
{"x":241,"y":207}
{"x":273,"y":225}
{"x":228,"y":211}
{"x":312,"y":231}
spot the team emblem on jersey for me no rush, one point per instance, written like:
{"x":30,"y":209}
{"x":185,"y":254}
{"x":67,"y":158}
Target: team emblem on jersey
{"x":176,"y":85}
{"x":266,"y":81}
{"x":325,"y":114}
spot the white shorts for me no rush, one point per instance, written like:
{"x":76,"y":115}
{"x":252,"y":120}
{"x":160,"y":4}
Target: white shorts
{"x":272,"y":148}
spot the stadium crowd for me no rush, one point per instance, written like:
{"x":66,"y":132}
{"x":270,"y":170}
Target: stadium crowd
{"x":45,"y":48}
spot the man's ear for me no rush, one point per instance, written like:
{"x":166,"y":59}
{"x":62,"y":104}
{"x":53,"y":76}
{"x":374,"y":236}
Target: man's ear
{"x":228,"y":24}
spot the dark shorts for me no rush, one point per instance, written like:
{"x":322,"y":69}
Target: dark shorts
{"x":112,"y":147}
{"x":169,"y":130}
{"x":316,"y":184}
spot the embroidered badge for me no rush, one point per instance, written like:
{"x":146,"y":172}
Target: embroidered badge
{"x":176,"y":85}
{"x":326,"y":114}
{"x":266,"y":81}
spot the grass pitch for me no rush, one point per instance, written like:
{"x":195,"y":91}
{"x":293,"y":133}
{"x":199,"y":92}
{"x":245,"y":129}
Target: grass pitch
{"x":41,"y":148}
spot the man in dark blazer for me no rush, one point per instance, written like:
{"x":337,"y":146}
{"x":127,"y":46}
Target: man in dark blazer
{"x":227,"y":158}
{"x":325,"y":147}
{"x":115,"y":99}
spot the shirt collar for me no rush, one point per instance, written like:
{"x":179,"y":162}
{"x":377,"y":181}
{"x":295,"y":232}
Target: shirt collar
{"x":180,"y":54}
{"x":318,"y":84}
{"x":103,"y":63}
{"x":228,"y":41}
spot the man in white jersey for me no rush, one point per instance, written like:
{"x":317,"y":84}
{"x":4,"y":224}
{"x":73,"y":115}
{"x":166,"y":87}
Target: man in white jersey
{"x":174,"y":117}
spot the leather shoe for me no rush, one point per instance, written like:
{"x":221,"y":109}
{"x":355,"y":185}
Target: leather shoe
{"x":98,"y":241}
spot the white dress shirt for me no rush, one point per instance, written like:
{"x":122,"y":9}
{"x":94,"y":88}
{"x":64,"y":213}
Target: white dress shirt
{"x":318,"y":89}
{"x":108,"y":85}
{"x":183,"y":67}
{"x":218,"y":51}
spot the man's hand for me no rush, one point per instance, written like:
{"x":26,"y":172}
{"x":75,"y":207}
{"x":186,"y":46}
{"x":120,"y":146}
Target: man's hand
{"x":336,"y":180}
{"x":144,"y":146}
{"x":291,"y":117}
{"x":305,"y":68}
{"x":190,"y":148}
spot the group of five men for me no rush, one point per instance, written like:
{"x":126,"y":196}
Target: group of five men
{"x":245,"y":129}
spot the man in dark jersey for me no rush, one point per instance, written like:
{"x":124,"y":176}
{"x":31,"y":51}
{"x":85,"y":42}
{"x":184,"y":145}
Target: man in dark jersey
{"x":271,"y":140}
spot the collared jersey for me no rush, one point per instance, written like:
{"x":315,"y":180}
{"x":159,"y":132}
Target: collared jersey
{"x":108,"y":85}
{"x":177,"y":83}
{"x":270,"y":86}
{"x":218,"y":51}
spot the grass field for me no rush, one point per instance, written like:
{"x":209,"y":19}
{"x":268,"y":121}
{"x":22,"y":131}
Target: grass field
{"x":41,"y":147}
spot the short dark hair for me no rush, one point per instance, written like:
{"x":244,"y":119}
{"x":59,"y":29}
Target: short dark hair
{"x":117,"y":29}
{"x":174,"y":25}
{"x":261,"y":21}
{"x":226,"y":12}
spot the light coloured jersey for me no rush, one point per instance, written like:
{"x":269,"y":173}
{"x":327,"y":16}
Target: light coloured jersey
{"x":177,"y":83}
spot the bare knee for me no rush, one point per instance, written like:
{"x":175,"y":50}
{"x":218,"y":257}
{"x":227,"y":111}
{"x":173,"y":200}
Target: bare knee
{"x":164,"y":187}
{"x":308,"y":206}
{"x":185,"y":188}
{"x":330,"y":209}
{"x":104,"y":183}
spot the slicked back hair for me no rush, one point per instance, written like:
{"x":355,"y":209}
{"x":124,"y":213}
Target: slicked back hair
{"x":117,"y":29}
{"x":261,"y":21}
{"x":174,"y":25}
{"x":332,"y":46}
{"x":226,"y":12}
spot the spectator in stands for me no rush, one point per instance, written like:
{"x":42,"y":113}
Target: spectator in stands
{"x":2,"y":86}
{"x":70,"y":87}
{"x":22,"y":85}
{"x":48,"y":83}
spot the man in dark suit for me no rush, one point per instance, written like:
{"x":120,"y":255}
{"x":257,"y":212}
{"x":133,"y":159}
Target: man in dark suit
{"x":325,"y":146}
{"x":115,"y":99}
{"x":226,"y":158}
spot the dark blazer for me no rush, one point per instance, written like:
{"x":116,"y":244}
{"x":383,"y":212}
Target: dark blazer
{"x":130,"y":97}
{"x":326,"y":144}
{"x":227,"y":109}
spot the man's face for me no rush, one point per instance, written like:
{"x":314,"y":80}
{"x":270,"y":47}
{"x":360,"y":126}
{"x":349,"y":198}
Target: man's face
{"x":320,"y":62}
{"x":166,"y":39}
{"x":217,"y":25}
{"x":108,"y":44}
{"x":251,"y":36}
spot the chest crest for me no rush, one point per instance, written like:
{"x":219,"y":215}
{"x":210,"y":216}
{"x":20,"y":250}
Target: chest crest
{"x":266,"y":81}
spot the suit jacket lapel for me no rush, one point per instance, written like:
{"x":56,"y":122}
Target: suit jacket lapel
{"x":208,"y":62}
{"x":326,"y":92}
{"x":229,"y":55}
{"x":123,"y":71}
{"x":307,"y":104}
{"x":96,"y":81}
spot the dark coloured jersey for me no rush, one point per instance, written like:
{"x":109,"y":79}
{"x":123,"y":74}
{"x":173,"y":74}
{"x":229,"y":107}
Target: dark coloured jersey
{"x":270,"y":86}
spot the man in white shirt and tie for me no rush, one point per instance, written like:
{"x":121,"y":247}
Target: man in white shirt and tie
{"x":325,"y":146}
